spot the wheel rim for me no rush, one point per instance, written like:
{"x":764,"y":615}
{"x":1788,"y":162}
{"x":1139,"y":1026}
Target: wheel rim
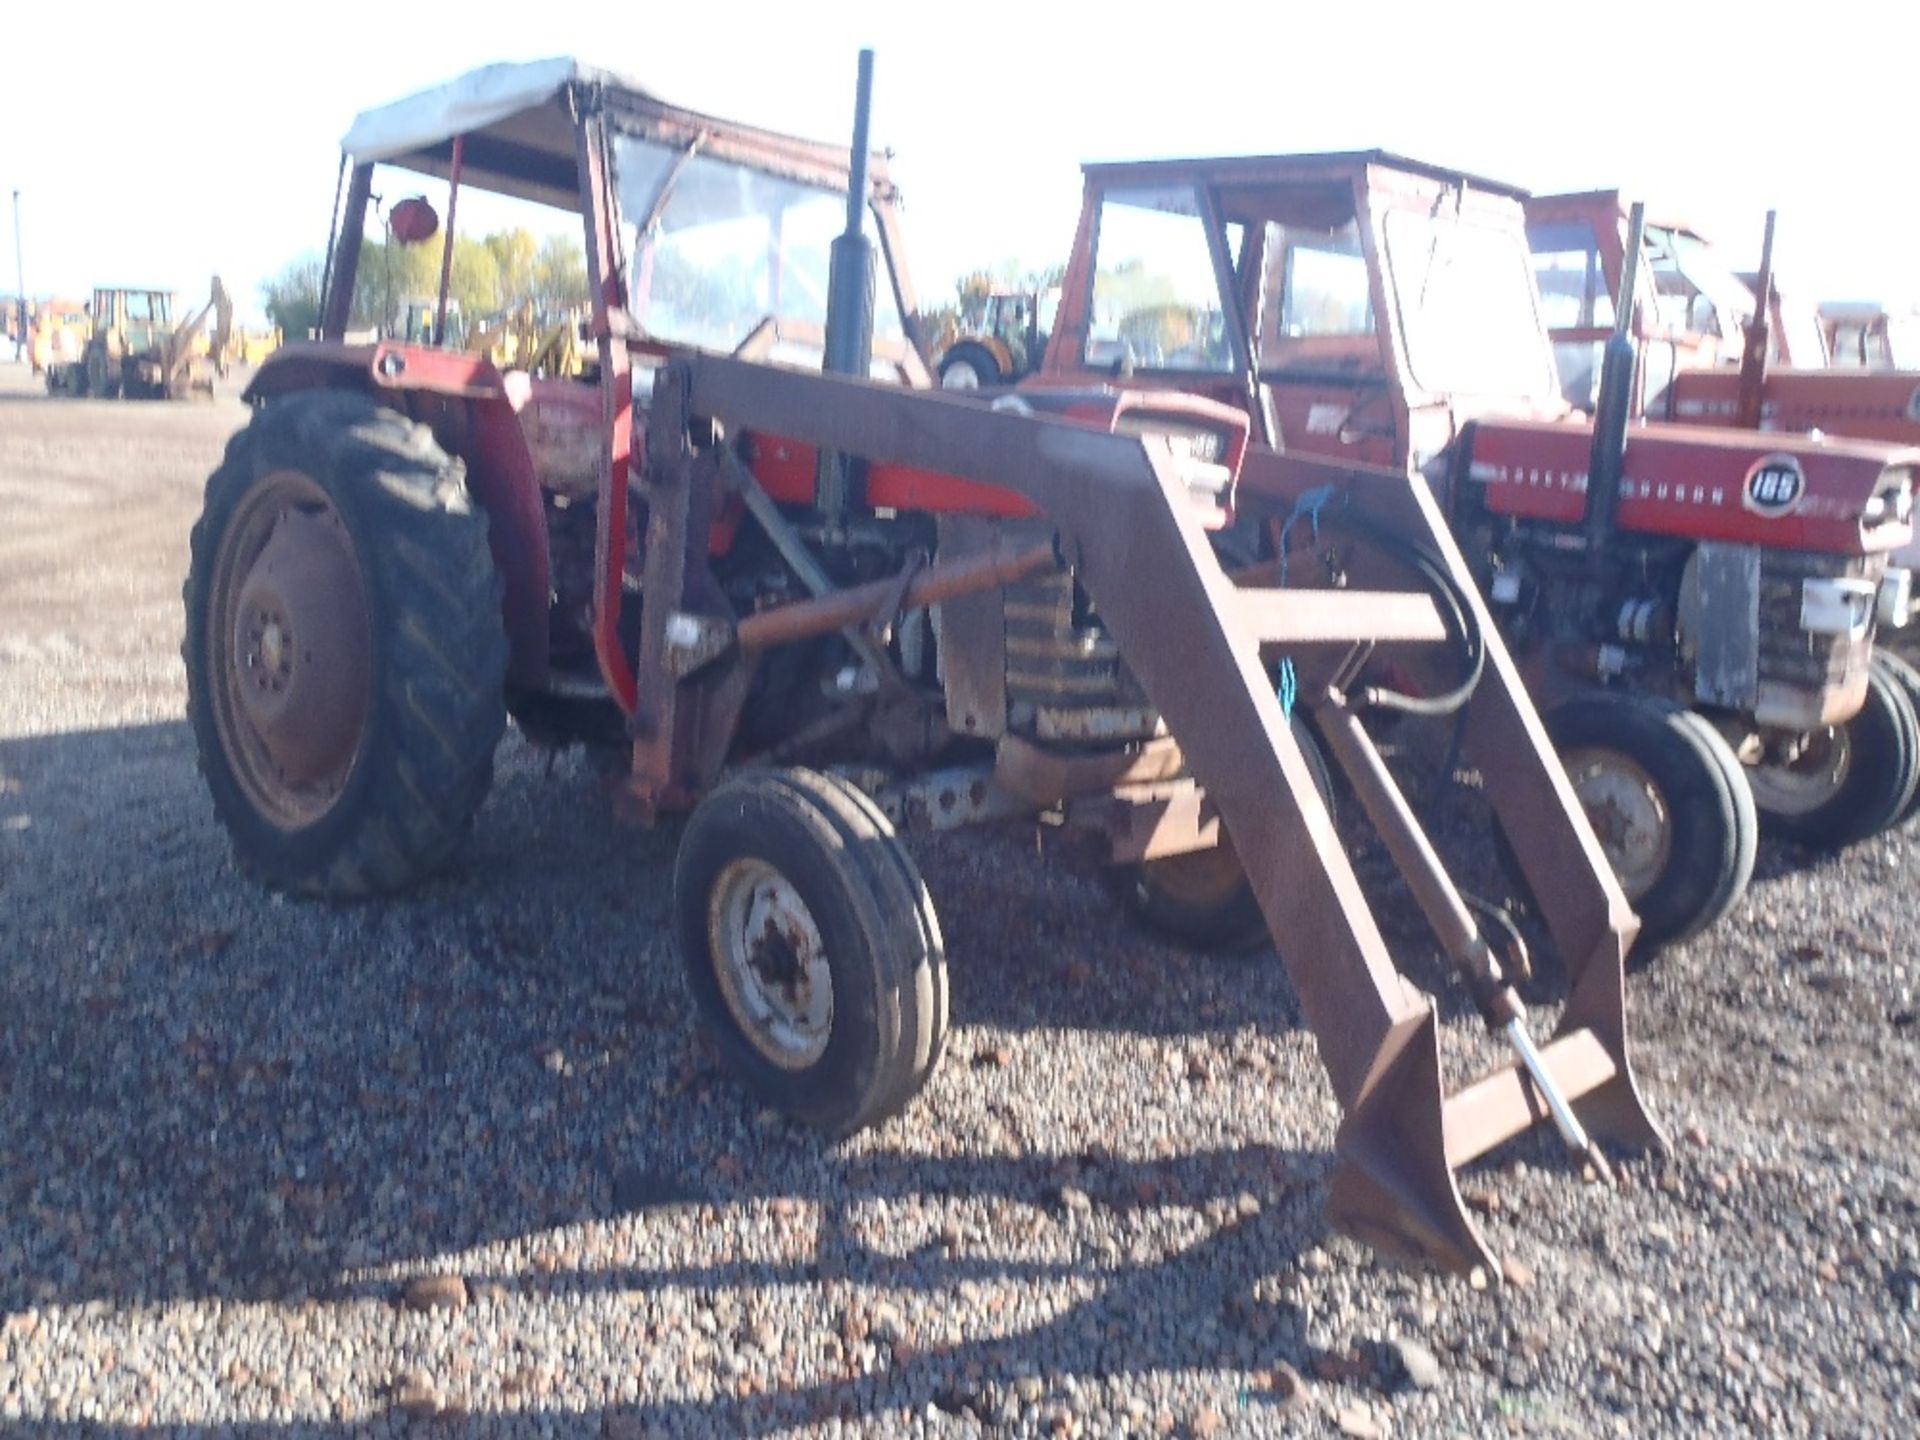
{"x":289,"y":641}
{"x":1628,"y":813}
{"x":771,"y":963}
{"x":1810,"y":780}
{"x":960,"y":375}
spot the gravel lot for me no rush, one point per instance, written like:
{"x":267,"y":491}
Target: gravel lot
{"x":238,"y":1131}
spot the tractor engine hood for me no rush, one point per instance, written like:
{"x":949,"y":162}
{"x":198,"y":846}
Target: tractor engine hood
{"x":1795,"y":492}
{"x":1869,"y":404}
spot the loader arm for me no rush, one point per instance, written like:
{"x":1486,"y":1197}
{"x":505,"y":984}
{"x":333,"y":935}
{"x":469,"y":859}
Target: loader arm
{"x":1122,"y":513}
{"x":180,"y":344}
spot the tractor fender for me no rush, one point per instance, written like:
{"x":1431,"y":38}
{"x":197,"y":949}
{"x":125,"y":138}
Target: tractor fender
{"x":464,"y":400}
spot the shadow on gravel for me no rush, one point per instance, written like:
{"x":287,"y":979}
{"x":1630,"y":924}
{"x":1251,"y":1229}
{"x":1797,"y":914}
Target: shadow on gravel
{"x":209,"y":1091}
{"x":1168,"y":1316}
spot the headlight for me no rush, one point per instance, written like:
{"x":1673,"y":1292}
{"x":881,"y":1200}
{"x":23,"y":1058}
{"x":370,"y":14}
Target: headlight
{"x":1187,"y":440}
{"x":1891,"y":501}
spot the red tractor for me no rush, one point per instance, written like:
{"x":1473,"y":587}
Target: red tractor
{"x":1718,"y":347}
{"x":1693,"y":320}
{"x":814,"y":606}
{"x":1694,"y":609}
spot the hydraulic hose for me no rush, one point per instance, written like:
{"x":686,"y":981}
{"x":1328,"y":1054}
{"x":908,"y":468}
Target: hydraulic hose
{"x":1456,"y":613}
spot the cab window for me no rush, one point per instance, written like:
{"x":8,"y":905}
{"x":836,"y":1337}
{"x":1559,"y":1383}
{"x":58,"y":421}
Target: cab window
{"x":1156,"y":296}
{"x":1573,"y":283}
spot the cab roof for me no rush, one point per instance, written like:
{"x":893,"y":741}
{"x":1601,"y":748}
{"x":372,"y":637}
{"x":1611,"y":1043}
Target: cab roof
{"x":520,"y":123}
{"x":1270,"y":169}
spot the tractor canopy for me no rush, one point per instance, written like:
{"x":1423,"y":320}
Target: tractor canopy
{"x":1347,"y":293}
{"x":719,"y":231}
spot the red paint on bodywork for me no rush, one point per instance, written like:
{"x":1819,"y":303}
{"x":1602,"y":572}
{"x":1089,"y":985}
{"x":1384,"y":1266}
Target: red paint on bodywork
{"x":1689,"y":482}
{"x":1869,"y":404}
{"x":786,"y":468}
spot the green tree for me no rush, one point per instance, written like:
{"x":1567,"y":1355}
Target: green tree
{"x":292,"y":298}
{"x":515,"y":253}
{"x":475,"y":281}
{"x":559,"y":274}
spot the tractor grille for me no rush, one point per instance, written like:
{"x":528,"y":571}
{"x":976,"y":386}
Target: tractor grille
{"x":1788,"y":654}
{"x":1065,"y":680}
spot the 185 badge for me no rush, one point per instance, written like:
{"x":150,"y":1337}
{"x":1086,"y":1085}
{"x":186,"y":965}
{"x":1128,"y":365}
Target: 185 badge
{"x":1775,"y":486}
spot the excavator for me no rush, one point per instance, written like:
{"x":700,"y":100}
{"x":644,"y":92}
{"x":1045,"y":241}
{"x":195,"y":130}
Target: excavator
{"x":136,"y":352}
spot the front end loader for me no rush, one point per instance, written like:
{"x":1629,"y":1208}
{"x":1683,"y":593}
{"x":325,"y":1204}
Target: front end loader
{"x":815,"y":604}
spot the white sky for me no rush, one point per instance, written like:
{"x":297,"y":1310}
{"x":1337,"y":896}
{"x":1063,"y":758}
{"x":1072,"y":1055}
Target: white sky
{"x":163,"y":144}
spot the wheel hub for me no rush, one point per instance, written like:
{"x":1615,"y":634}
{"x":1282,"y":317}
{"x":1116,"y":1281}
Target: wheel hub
{"x":772,"y":963}
{"x":289,"y":629}
{"x":299,"y":647}
{"x":1628,"y":814}
{"x":1804,"y":777}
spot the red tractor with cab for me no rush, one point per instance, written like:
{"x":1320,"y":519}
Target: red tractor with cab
{"x":1694,"y":609}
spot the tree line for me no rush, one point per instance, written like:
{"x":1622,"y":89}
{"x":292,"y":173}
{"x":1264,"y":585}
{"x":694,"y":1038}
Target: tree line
{"x":493,"y":275}
{"x":500,"y":272}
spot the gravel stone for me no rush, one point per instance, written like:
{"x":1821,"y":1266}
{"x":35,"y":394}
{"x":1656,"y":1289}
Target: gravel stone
{"x":435,"y":1292}
{"x":1417,"y":1364}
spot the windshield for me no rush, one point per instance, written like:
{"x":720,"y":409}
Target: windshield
{"x":1156,"y":296}
{"x":719,"y":248}
{"x":1573,"y":281}
{"x":1465,"y":297}
{"x":1697,"y":293}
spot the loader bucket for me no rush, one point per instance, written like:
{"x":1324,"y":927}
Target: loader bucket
{"x":1124,"y":521}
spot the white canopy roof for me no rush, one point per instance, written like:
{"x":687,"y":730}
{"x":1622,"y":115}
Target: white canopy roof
{"x":471,"y":102}
{"x":520,"y":138}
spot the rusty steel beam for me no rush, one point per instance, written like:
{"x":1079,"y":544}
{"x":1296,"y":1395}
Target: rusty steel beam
{"x":1326,"y":617}
{"x":861,"y":604}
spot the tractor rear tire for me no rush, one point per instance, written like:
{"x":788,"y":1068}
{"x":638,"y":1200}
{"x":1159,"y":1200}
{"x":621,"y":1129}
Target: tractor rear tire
{"x":1902,"y":673}
{"x":970,"y":366}
{"x":811,"y":947}
{"x":345,"y":653}
{"x":1660,"y":788}
{"x":1856,"y":781}
{"x":1202,"y":900}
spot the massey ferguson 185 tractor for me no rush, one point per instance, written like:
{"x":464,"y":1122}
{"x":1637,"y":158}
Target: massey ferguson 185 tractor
{"x":815,"y":608}
{"x":1716,"y":348}
{"x":1694,"y":609}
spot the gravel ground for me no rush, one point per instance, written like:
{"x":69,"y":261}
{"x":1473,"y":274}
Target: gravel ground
{"x":284,"y":1167}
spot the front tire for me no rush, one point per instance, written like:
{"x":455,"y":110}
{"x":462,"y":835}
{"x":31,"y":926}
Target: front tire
{"x":1907,"y":680}
{"x":811,"y":947}
{"x":344,"y":648}
{"x":1202,"y":900}
{"x":970,"y":366}
{"x":1661,"y":790}
{"x":1852,"y":781}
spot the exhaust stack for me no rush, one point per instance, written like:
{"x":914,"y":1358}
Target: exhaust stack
{"x":850,"y":281}
{"x":1616,"y":395}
